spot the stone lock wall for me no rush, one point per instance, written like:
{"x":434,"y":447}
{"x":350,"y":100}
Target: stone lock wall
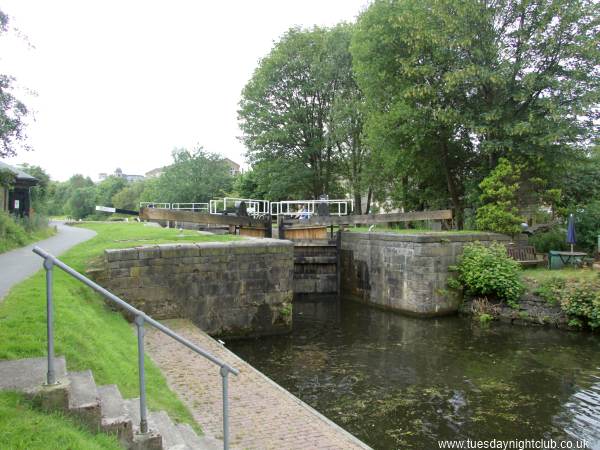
{"x":240,"y":288}
{"x":402,"y":272}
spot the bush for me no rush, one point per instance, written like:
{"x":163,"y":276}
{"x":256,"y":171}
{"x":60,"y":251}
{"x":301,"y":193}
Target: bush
{"x":579,"y":299}
{"x":11,"y":233}
{"x":553,"y":239}
{"x":489,"y":272}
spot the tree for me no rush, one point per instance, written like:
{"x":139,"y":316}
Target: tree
{"x":194,"y":177}
{"x":108,"y":188}
{"x":499,"y":212}
{"x":81,"y":203}
{"x":298,"y":114}
{"x":129,"y":196}
{"x":59,"y":193}
{"x":453,"y":86}
{"x":12,"y":110}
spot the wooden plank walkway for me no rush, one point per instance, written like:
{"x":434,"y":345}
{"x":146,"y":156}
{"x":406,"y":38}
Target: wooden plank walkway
{"x":263,"y":415}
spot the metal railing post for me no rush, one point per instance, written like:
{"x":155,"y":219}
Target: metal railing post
{"x":224,"y":373}
{"x":51,"y":375}
{"x":139,"y":322}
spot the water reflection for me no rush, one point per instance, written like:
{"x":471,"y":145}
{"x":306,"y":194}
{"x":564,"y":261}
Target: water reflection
{"x":401,"y":382}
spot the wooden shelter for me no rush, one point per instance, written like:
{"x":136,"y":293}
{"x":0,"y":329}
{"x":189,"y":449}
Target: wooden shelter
{"x":15,"y":196}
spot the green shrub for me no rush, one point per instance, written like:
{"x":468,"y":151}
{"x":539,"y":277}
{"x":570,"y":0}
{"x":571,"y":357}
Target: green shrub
{"x":581,"y":302}
{"x":550,"y":290}
{"x":553,"y":239}
{"x":11,"y":233}
{"x":489,"y":272}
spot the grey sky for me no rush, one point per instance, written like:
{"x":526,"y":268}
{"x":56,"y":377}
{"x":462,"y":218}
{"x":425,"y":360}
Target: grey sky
{"x":121,"y":83}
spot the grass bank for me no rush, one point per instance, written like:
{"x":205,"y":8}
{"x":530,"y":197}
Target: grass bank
{"x":24,"y":428}
{"x":17,"y":233}
{"x":86,"y":331}
{"x":541,"y":275}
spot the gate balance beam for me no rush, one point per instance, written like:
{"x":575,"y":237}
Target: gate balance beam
{"x":198,"y":217}
{"x":368,"y":219}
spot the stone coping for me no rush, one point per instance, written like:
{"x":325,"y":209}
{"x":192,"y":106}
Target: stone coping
{"x":174,"y":250}
{"x":428,"y":237}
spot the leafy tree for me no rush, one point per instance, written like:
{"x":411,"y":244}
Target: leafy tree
{"x":59,"y":193}
{"x":108,"y":188}
{"x":195,"y":176}
{"x":81,"y":203}
{"x":129,"y":196}
{"x":587,"y":226}
{"x":12,"y":110}
{"x":499,"y":212}
{"x":451,"y":87}
{"x":299,"y":114}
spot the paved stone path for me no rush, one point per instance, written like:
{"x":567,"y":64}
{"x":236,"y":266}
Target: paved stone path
{"x":262,"y":414}
{"x":19,"y":264}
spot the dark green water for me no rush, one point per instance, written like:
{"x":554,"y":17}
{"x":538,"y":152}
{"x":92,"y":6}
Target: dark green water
{"x":400,"y":382}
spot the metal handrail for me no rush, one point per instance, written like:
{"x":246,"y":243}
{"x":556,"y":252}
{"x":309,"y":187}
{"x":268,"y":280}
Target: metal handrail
{"x":140,"y":318}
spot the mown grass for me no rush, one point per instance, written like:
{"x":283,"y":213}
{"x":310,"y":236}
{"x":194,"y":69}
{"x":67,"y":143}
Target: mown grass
{"x":89,"y":334}
{"x":540,"y":275}
{"x":24,"y":428}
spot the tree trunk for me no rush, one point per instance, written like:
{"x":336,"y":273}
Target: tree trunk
{"x":369,"y":195}
{"x":453,"y":189}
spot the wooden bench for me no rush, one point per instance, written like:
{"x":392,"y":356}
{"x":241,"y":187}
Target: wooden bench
{"x":525,"y":255}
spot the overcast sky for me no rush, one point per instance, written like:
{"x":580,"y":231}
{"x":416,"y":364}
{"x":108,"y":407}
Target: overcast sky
{"x":122,"y":83}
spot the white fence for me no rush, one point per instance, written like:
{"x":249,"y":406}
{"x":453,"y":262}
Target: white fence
{"x":261,"y":208}
{"x":255,"y":208}
{"x":294,"y":208}
{"x":155,"y":205}
{"x":196,"y":207}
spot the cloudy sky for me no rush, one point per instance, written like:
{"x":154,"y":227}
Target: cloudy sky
{"x":122,"y":83}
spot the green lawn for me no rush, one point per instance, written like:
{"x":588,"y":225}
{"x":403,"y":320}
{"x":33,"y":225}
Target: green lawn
{"x":24,"y":428}
{"x":541,"y":275}
{"x":86,"y":331}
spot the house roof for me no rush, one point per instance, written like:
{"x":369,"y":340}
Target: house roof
{"x":19,"y":174}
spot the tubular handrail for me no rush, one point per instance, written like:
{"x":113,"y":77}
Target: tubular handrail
{"x":140,"y":319}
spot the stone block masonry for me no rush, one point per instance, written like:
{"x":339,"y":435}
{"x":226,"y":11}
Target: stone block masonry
{"x":234,"y":289}
{"x":404,"y":272}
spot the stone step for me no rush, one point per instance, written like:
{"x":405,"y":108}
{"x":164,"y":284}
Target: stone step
{"x":193,"y":441}
{"x":115,"y":419}
{"x":149,"y":441}
{"x":29,"y":374}
{"x":84,"y":399}
{"x":171,"y":437}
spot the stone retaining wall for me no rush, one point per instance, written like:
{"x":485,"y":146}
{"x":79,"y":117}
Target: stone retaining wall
{"x":403,"y":272}
{"x":240,"y":288}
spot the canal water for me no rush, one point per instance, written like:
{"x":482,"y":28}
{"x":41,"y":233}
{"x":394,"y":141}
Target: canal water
{"x":399,"y":382}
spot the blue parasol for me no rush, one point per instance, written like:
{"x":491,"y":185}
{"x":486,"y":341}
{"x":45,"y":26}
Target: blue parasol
{"x":571,"y":232}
